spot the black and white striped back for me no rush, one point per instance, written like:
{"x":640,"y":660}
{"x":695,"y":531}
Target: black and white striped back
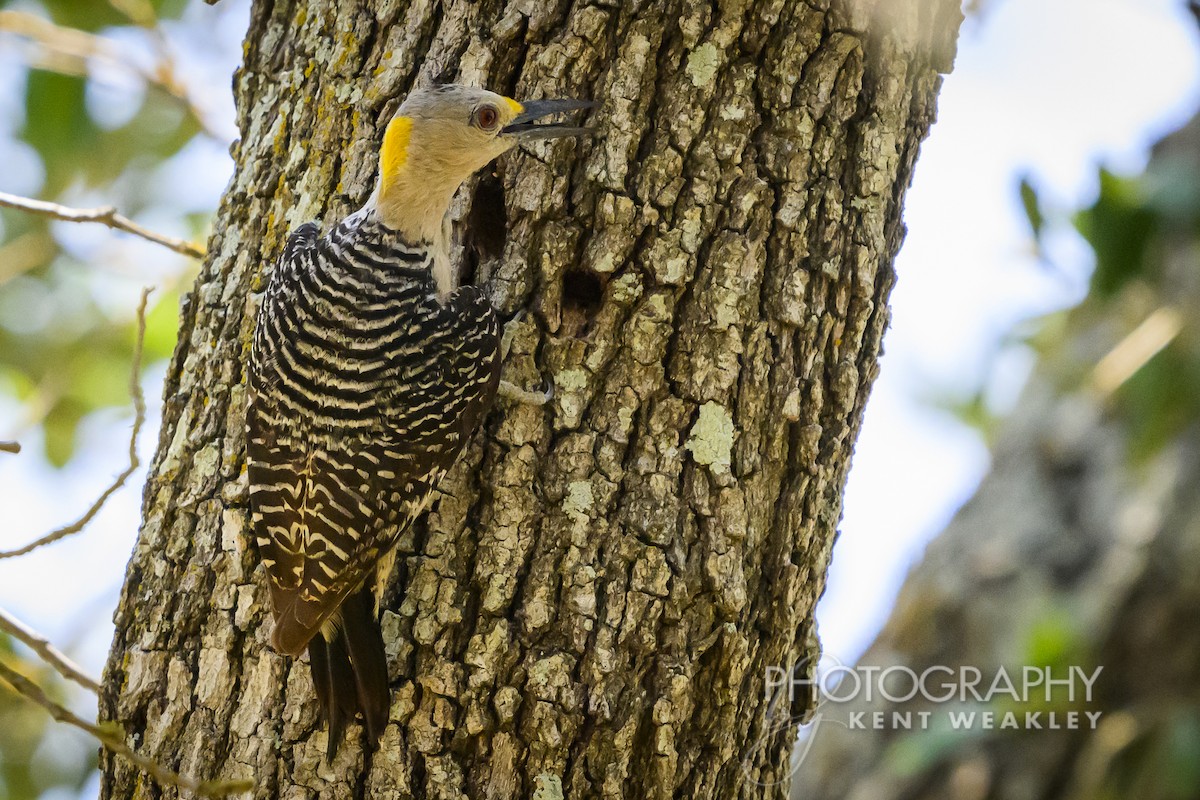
{"x":365,"y":385}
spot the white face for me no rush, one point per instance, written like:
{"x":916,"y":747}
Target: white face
{"x":457,"y":130}
{"x":439,"y":137}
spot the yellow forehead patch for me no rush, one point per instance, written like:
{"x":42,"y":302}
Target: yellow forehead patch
{"x":514,"y":106}
{"x":394,"y":152}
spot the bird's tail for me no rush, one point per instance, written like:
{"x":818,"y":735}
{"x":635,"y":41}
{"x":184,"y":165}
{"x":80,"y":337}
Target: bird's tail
{"x":349,"y":670}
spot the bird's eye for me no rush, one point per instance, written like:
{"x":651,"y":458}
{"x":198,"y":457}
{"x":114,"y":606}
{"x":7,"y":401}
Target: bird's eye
{"x":487,"y":117}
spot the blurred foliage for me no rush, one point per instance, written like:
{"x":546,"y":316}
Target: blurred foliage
{"x":93,"y":356}
{"x":87,"y":15}
{"x":1144,"y":232}
{"x":1120,"y":227}
{"x":1131,"y":346}
{"x":1032,"y":206}
{"x":969,"y":408}
{"x":1162,"y":763}
{"x":26,"y":770}
{"x":73,"y":148}
{"x":1162,"y":399}
{"x":82,"y":133}
{"x":916,"y":751}
{"x":1054,"y":640}
{"x":65,"y":342}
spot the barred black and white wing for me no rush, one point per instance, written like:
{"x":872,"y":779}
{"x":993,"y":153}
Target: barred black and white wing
{"x":364,"y":388}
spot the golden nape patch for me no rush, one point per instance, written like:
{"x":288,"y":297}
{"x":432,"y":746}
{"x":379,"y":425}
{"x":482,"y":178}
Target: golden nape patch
{"x":394,"y":152}
{"x":516,"y":107}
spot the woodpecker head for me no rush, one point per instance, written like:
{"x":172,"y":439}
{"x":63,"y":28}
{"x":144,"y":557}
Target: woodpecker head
{"x":439,"y":137}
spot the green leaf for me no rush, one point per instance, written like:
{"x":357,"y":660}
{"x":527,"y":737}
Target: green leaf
{"x":57,"y":126}
{"x":1053,"y":640}
{"x":89,"y":16}
{"x":1033,"y":208}
{"x":1162,"y":399}
{"x":1119,"y":227}
{"x":60,"y":428}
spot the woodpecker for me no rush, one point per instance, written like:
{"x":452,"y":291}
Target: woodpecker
{"x":370,"y":370}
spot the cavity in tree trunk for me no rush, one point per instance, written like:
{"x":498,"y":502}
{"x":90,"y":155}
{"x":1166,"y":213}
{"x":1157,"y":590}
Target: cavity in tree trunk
{"x":591,"y":606}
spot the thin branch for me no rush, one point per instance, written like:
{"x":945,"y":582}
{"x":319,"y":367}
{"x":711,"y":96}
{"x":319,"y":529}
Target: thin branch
{"x":111,"y":737}
{"x":46,"y":651}
{"x":68,"y":42}
{"x":105,"y":215}
{"x":1143,"y":343}
{"x":139,"y":417}
{"x":10,"y":447}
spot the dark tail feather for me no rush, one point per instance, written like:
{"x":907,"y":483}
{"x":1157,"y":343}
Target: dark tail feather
{"x":365,"y":642}
{"x":334,"y":684}
{"x":350,"y":671}
{"x":318,"y":663}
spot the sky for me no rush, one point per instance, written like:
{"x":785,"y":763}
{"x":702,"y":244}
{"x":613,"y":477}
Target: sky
{"x":1049,"y":88}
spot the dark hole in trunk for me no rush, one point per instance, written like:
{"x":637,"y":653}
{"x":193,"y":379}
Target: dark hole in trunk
{"x":486,"y":226}
{"x":582,"y":296}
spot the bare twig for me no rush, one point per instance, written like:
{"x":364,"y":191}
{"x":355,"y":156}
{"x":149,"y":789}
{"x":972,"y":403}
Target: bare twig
{"x":105,"y":215}
{"x":111,"y":737}
{"x":46,"y":651}
{"x":139,"y":417}
{"x":1144,"y":342}
{"x":67,"y":42}
{"x":10,"y":447}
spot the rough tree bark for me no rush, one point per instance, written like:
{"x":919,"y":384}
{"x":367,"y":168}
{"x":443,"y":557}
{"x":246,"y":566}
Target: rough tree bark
{"x":591,"y":605}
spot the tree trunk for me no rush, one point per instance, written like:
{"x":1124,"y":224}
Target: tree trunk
{"x":590,"y":607}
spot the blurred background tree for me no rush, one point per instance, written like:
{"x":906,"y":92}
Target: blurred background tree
{"x":1081,"y":547}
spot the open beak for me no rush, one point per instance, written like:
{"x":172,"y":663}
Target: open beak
{"x":525,"y":129}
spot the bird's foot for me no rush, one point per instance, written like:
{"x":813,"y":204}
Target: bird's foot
{"x":510,"y":330}
{"x":511,"y":391}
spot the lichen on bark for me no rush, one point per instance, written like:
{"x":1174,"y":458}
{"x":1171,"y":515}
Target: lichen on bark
{"x":589,"y":609}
